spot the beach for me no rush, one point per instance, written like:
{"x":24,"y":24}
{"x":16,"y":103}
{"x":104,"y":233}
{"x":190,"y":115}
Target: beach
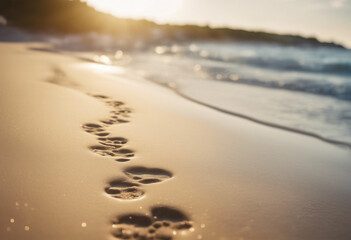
{"x":90,"y":153}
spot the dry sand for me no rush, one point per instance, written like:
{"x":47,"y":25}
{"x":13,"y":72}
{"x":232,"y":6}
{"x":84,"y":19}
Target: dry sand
{"x":88,"y":153}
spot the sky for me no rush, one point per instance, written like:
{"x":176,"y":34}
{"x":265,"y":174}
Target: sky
{"x":328,"y":20}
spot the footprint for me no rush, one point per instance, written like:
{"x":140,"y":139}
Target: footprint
{"x":124,"y":152}
{"x":98,"y":96}
{"x":128,"y":189}
{"x":113,"y":141}
{"x":107,"y":100}
{"x":114,"y":104}
{"x":102,"y":150}
{"x":124,"y":112}
{"x":121,"y":120}
{"x":114,"y":120}
{"x":163,"y":224}
{"x":112,"y":146}
{"x":124,"y":190}
{"x":95,"y":129}
{"x":145,"y":175}
{"x":108,"y":121}
{"x":120,"y":154}
{"x":119,"y":114}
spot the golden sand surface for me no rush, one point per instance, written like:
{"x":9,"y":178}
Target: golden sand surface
{"x":87,"y":152}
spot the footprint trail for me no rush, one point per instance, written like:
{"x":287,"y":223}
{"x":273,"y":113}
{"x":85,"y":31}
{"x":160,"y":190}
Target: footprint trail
{"x":163,"y":222}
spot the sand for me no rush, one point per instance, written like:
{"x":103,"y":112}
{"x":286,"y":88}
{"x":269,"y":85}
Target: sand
{"x":88,"y":152}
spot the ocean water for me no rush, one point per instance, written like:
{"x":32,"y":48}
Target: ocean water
{"x":301,"y":89}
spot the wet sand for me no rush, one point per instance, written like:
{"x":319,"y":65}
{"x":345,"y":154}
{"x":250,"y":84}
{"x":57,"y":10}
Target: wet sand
{"x":89,"y":153}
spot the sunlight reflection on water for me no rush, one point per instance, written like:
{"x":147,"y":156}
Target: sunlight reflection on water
{"x":102,"y":59}
{"x":99,"y":68}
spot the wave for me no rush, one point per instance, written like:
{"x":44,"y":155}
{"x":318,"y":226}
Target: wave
{"x":296,"y":65}
{"x":281,"y":58}
{"x":335,"y":68}
{"x":340,"y":91}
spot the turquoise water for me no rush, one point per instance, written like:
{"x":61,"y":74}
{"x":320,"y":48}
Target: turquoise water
{"x":299,"y":88}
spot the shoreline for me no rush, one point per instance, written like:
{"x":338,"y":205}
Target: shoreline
{"x":256,"y":120}
{"x":340,"y":143}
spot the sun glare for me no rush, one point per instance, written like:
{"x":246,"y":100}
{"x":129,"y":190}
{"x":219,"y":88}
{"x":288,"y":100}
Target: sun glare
{"x":150,"y":9}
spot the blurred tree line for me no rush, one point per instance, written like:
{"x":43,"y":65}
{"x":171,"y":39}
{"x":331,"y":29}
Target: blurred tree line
{"x":74,"y":16}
